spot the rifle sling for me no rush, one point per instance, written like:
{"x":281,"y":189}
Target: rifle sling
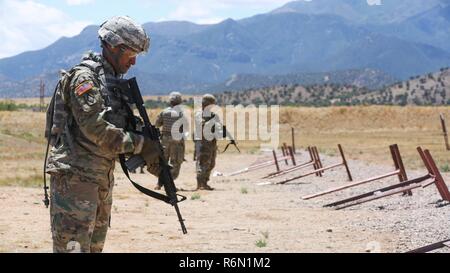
{"x":142,"y":189}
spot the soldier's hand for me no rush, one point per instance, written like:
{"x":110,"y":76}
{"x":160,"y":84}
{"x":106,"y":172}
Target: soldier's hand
{"x":154,"y":168}
{"x":151,"y":153}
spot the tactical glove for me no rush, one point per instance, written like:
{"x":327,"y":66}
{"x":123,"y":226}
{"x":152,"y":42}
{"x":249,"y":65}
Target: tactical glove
{"x":151,"y":153}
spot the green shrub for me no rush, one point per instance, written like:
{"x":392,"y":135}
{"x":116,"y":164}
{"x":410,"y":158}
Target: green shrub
{"x":8,"y":106}
{"x":195,"y":196}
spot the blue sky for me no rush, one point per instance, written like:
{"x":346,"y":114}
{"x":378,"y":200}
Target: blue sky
{"x":33,"y":24}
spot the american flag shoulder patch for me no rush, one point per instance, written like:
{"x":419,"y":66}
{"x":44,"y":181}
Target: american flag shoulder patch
{"x":84,"y":87}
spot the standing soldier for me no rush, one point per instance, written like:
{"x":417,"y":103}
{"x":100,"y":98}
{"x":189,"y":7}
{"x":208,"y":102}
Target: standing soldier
{"x":206,"y":147}
{"x":90,"y":125}
{"x":174,"y":125}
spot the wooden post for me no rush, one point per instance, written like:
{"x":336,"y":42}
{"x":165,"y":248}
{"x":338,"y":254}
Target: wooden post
{"x":293,"y":140}
{"x":444,"y":129}
{"x":41,"y":96}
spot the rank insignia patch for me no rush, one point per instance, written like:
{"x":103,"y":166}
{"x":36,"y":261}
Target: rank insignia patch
{"x":84,"y":87}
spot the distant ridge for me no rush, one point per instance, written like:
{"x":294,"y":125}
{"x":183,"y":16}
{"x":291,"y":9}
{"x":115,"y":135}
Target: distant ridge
{"x":428,"y":89}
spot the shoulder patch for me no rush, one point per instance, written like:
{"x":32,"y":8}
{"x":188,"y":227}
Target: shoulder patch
{"x":84,"y":87}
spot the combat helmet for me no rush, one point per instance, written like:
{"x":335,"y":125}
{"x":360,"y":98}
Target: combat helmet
{"x":208,"y":99}
{"x":175,"y":98}
{"x":122,"y":30}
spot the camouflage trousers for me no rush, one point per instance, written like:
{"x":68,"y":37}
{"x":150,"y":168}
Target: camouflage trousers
{"x":80,"y":211}
{"x":174,"y":154}
{"x":206,"y":152}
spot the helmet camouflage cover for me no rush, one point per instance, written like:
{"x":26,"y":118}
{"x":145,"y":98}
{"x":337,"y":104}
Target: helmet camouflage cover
{"x":175,"y":98}
{"x":208,"y":99}
{"x":122,"y":30}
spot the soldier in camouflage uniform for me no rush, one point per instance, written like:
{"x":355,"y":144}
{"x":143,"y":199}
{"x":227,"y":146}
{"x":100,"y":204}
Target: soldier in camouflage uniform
{"x":93,"y":124}
{"x":206,"y":147}
{"x":173,"y":123}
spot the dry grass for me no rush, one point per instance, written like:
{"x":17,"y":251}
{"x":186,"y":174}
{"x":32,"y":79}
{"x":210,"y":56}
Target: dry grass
{"x":364,"y":132}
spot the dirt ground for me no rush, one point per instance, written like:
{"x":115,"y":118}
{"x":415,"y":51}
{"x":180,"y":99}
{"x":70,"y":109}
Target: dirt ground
{"x":242,"y":215}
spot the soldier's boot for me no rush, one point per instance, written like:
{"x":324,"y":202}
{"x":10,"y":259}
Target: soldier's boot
{"x":201,"y":185}
{"x":206,"y":187}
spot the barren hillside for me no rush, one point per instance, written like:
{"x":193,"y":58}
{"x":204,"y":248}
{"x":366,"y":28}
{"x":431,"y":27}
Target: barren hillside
{"x":430,"y":89}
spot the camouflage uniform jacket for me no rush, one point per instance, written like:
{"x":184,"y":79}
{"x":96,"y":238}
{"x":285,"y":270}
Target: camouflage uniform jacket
{"x":100,"y":123}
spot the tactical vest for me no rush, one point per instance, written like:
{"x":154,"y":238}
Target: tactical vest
{"x":58,"y":118}
{"x":169,"y":117}
{"x":118,"y":110}
{"x":210,"y":121}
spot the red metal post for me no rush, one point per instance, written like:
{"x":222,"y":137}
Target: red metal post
{"x":431,"y":247}
{"x":316,"y":155}
{"x":398,"y":166}
{"x":344,"y":161}
{"x":276,"y":160}
{"x":308,"y":174}
{"x":424,"y":159}
{"x":407,"y":185}
{"x":290,"y":170}
{"x":379,"y":196}
{"x":313,"y":158}
{"x":351,"y":185}
{"x":285,"y":153}
{"x":440,"y":183}
{"x":311,"y":162}
{"x":398,"y":162}
{"x":291,"y":152}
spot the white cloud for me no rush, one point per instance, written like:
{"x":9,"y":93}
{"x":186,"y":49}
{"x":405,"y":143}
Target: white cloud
{"x":78,"y":2}
{"x":28,"y":25}
{"x":195,"y":11}
{"x":208,"y":11}
{"x":374,"y":2}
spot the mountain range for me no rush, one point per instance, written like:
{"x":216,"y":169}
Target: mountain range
{"x":395,"y":40}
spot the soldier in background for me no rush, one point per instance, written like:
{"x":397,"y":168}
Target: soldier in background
{"x":92,"y":124}
{"x":206,"y":147}
{"x":174,"y":127}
